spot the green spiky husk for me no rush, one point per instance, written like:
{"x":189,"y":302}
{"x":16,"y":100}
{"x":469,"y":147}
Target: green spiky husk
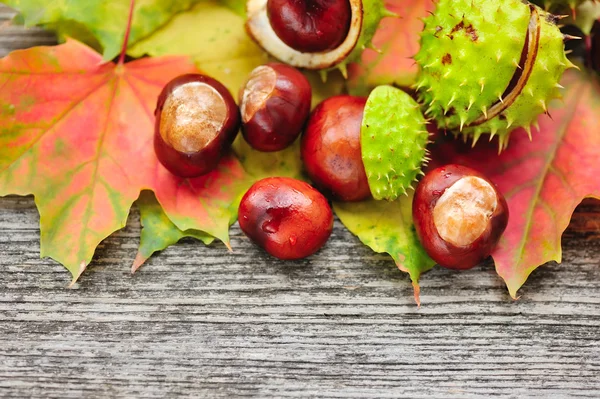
{"x":470,"y":50}
{"x":393,"y":142}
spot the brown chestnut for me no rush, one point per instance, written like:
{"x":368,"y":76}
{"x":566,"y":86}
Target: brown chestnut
{"x":331,"y":148}
{"x":310,"y":26}
{"x":286,"y":217}
{"x":274,"y":103}
{"x":459,"y":216}
{"x":196,"y":122}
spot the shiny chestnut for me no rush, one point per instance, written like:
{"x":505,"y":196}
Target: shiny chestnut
{"x":331,"y":148}
{"x":274,"y":103}
{"x":310,"y":26}
{"x":459,"y":216}
{"x":286,"y":217}
{"x":196,"y":122}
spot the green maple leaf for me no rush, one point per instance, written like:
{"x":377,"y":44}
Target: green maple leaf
{"x":259,"y":165}
{"x":214,"y":36}
{"x":99,"y":23}
{"x":158,"y":231}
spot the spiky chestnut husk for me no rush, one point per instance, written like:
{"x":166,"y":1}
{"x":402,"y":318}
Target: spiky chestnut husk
{"x":366,"y":15}
{"x":489,"y":66}
{"x":393,"y":142}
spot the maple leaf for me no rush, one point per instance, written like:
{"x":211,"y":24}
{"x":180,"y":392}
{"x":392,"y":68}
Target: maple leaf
{"x":396,"y":41}
{"x":237,"y":6}
{"x":214,"y":36}
{"x":387,"y":227}
{"x":77,"y":134}
{"x":99,"y":22}
{"x":543,"y":180}
{"x":284,"y":163}
{"x":158,"y":231}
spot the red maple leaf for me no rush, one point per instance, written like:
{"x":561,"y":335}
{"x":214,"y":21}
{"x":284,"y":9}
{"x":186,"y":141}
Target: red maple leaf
{"x":77,"y":133}
{"x":543,"y":179}
{"x":397,"y":41}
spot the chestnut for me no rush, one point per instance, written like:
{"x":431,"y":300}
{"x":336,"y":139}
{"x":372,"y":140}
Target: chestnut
{"x":286,"y":217}
{"x":331,"y":150}
{"x":459,"y":216}
{"x":196,"y":122}
{"x":310,"y":26}
{"x":274,"y":104}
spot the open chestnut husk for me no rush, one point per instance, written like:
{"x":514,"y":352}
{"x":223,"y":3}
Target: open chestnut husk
{"x":459,"y":216}
{"x":197,"y":120}
{"x":312,"y":34}
{"x":331,"y":148}
{"x":274,"y":103}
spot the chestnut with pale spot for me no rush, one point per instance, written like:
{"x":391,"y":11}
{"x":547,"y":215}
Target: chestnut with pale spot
{"x":275,"y":103}
{"x":196,"y":122}
{"x":286,"y":217}
{"x":459,"y":216}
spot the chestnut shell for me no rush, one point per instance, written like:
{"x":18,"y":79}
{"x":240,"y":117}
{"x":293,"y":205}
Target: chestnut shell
{"x":286,"y":217}
{"x":427,"y":194}
{"x":260,"y":30}
{"x":279,"y":120}
{"x":331,"y":148}
{"x":204,"y":160}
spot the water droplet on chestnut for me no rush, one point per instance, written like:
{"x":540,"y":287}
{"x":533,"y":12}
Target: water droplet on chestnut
{"x":459,"y":216}
{"x":288,"y":218}
{"x":310,"y":26}
{"x":196,"y":122}
{"x":274,"y":103}
{"x":331,"y":148}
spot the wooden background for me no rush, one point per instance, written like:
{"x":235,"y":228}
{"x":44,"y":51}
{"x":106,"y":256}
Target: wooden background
{"x":197,"y":321}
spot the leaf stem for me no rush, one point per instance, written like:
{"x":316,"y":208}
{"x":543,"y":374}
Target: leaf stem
{"x":127,"y":33}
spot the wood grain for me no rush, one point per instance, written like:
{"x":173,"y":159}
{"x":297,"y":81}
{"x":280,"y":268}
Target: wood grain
{"x":197,"y":321}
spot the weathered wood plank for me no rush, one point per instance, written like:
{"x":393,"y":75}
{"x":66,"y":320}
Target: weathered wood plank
{"x":198,"y":321}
